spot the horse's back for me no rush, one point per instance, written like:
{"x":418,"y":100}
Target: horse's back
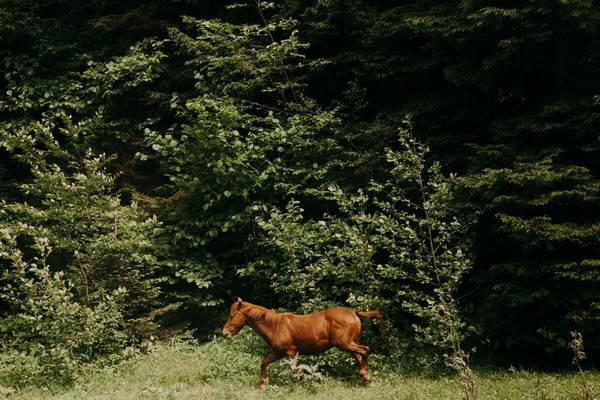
{"x":310,"y":332}
{"x":342,"y":315}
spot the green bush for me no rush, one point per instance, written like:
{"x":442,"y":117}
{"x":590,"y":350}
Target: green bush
{"x":50,"y":337}
{"x":394,"y":244}
{"x":98,"y":242}
{"x":78,"y":274}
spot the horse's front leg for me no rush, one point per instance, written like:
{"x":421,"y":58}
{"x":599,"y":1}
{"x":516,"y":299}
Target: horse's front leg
{"x":274,"y":356}
{"x":292,"y":352}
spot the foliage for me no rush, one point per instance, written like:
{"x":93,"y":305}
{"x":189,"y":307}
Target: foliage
{"x":287,"y":114}
{"x":395,"y":245}
{"x":98,"y":243}
{"x":78,"y":271}
{"x":50,"y":336}
{"x":248,"y":138}
{"x":506,"y":95}
{"x":545,"y":250}
{"x":303,"y":371}
{"x":439,"y":262}
{"x":58,"y":118}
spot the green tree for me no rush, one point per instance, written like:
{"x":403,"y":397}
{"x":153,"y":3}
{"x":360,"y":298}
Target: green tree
{"x":397,"y":244}
{"x":248,"y":138}
{"x":506,"y":95}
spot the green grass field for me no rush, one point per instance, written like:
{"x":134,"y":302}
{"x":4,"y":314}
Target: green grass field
{"x":228,"y":370}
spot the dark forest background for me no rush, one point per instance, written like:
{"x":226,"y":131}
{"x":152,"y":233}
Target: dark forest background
{"x":172,"y":148}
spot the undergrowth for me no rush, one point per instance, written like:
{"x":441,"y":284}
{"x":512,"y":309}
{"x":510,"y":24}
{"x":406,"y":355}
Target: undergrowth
{"x":219,"y":369}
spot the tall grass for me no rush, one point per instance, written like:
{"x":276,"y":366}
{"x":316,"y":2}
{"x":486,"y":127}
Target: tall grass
{"x":219,"y":369}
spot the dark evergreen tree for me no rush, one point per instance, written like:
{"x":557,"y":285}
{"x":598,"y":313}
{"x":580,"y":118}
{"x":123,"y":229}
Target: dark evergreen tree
{"x":507,"y":94}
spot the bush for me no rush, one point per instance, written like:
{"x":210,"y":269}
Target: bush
{"x":68,"y":257}
{"x":98,"y":242}
{"x":48,"y":336}
{"x":396,"y":244}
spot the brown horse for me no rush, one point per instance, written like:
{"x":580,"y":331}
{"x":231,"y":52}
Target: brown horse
{"x":290,"y":334}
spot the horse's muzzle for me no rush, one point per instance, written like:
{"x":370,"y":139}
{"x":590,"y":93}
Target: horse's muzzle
{"x":226,"y":334}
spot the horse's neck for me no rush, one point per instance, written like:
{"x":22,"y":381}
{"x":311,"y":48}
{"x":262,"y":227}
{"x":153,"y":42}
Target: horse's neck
{"x":257,"y":321}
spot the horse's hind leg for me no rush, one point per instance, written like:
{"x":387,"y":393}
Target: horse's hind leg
{"x":362,"y":370}
{"x":361,"y":354}
{"x":263,"y":368}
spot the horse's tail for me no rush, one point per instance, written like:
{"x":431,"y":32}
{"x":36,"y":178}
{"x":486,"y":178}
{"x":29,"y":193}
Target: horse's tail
{"x":370,"y":314}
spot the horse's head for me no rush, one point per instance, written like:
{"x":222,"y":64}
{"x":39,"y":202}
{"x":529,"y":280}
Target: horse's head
{"x":235,"y":321}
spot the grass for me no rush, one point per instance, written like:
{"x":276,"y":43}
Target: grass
{"x":229,"y":370}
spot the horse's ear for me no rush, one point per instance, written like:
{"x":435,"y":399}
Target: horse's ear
{"x":239,"y":303}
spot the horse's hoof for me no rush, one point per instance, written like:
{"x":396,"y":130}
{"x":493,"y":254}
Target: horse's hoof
{"x":261,"y":387}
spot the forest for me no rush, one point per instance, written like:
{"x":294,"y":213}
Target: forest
{"x":436,"y":160}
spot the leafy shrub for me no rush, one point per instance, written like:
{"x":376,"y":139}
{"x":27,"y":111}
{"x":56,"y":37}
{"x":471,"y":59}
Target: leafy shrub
{"x":375,"y":247}
{"x":99,"y":243}
{"x":79,"y":274}
{"x":48,"y":336}
{"x":394,"y":244}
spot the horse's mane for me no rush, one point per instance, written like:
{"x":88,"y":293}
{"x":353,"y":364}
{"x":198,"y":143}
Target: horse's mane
{"x":257,"y":313}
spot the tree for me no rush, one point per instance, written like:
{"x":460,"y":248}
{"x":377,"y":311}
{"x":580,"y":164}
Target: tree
{"x":397,"y":244}
{"x":506,"y":95}
{"x":248,"y":137}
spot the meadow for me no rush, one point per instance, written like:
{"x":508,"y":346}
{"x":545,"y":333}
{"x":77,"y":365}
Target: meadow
{"x":220,"y":369}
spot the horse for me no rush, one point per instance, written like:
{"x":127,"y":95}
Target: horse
{"x":289,"y":334}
